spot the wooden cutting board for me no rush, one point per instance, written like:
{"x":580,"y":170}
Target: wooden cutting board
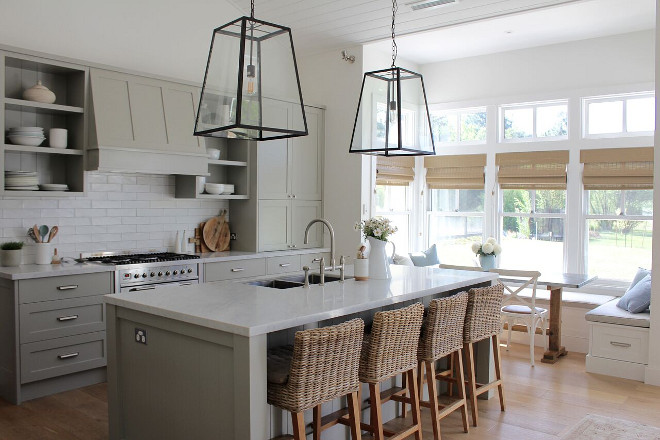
{"x":223,"y":238}
{"x":202,"y":245}
{"x":213,"y":229}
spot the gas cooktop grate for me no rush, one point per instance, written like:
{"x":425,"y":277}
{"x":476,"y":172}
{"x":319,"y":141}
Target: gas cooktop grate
{"x":156,"y":257}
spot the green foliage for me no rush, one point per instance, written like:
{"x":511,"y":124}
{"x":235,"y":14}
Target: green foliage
{"x":11,"y":245}
{"x":516,"y":200}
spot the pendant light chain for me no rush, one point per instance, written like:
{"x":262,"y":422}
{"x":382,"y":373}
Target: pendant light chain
{"x":251,"y":8}
{"x":395,"y":7}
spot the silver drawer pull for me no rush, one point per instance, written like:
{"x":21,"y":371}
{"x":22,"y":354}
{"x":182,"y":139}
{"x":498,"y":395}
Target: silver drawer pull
{"x":71,"y":287}
{"x":137,"y":289}
{"x":68,"y":356}
{"x":285,"y":264}
{"x":316,"y":260}
{"x":620,"y":344}
{"x":237,"y":269}
{"x":67,"y":318}
{"x":185,"y":284}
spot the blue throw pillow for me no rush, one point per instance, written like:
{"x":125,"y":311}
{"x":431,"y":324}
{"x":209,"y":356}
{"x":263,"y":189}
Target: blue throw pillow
{"x":427,"y":258}
{"x":641,"y":273}
{"x":638,"y":298}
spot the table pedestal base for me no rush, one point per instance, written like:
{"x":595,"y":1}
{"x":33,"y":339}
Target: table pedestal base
{"x":552,"y":356}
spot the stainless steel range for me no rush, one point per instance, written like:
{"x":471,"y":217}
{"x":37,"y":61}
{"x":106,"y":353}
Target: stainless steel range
{"x":136,"y":272}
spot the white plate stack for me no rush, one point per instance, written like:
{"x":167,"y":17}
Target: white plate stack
{"x":53,"y":187}
{"x":31,"y":136}
{"x":21,"y":181}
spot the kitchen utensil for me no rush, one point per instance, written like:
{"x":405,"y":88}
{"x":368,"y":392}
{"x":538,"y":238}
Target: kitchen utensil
{"x":35,"y":231}
{"x":223,"y":238}
{"x":57,"y":137}
{"x":30,"y":234}
{"x":39,"y":93}
{"x":197,"y":240}
{"x":53,"y":233}
{"x":43,"y":232}
{"x":212,"y":231}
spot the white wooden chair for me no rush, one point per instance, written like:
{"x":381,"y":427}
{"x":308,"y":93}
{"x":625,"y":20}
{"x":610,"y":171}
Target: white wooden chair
{"x":451,"y":266}
{"x":518,"y":310}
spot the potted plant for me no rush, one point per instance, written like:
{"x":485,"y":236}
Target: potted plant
{"x":487,"y":252}
{"x":376,"y":230}
{"x":11,"y":253}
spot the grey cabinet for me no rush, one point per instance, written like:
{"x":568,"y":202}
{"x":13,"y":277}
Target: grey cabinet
{"x":135,"y":115}
{"x":53,"y":334}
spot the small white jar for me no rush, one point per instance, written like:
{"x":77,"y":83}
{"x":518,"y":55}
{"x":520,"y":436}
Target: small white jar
{"x":44,"y":254}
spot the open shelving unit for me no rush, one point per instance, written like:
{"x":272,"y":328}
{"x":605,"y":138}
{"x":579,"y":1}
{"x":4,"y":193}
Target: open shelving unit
{"x":232,"y":168}
{"x":53,"y":165}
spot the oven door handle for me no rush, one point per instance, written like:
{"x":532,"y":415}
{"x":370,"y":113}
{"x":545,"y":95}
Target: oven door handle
{"x":137,"y":289}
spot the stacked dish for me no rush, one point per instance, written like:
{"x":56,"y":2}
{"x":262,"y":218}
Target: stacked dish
{"x":31,"y":136}
{"x":214,"y":188}
{"x":21,"y":181}
{"x":53,"y":187}
{"x":228,"y":189}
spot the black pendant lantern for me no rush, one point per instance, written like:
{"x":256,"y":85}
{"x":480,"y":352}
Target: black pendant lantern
{"x":251,"y":86}
{"x":392,"y":117}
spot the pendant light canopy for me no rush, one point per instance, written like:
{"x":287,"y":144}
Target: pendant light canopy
{"x":251,"y":86}
{"x":392,"y":117}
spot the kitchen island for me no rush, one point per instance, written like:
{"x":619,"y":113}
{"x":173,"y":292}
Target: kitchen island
{"x":190,"y":362}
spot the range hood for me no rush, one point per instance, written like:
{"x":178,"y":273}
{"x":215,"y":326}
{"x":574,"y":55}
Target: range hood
{"x":143,"y":125}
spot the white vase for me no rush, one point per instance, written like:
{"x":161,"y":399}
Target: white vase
{"x":379,"y":267}
{"x":43,"y":253}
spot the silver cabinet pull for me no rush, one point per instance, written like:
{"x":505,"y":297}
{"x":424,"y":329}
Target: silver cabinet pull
{"x":237,"y":269}
{"x":68,"y":356}
{"x":185,"y":284}
{"x":285,"y":264}
{"x":316,"y":260}
{"x":620,"y":344}
{"x":67,"y":318}
{"x":71,"y":287}
{"x":137,"y":289}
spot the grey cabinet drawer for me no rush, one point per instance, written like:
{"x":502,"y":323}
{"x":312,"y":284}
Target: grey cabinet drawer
{"x":229,"y":270}
{"x":56,"y":357}
{"x":275,"y":265}
{"x":64,"y":287}
{"x":313,"y":260}
{"x":56,"y":319}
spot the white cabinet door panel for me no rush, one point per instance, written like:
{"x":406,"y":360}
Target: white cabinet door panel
{"x":274,"y":225}
{"x":112,"y":109}
{"x":180,"y":108}
{"x":148,"y":115}
{"x":307,"y":175}
{"x":302,"y":212}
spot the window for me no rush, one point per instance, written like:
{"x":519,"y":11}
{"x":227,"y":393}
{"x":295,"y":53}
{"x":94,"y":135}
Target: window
{"x":526,"y":122}
{"x":533,"y":229}
{"x":459,"y":126}
{"x":392,"y":202}
{"x":621,"y":114}
{"x":455,"y":220}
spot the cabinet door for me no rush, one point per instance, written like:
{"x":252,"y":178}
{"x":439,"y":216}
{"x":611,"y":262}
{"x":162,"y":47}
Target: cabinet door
{"x":274,"y":160}
{"x":112,"y":108}
{"x":274,"y":225}
{"x":302,"y":212}
{"x":147,"y":114}
{"x":180,"y":107}
{"x":307,"y":159}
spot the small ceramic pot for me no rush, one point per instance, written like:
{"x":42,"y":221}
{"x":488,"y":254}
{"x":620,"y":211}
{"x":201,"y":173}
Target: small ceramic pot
{"x":44,"y":254}
{"x":361,"y":269}
{"x":39,"y":93}
{"x":11,"y":258}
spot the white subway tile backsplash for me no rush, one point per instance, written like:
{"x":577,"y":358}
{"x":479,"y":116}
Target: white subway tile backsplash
{"x":119,"y":212}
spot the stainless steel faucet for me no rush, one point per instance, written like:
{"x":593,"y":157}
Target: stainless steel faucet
{"x":332,"y":238}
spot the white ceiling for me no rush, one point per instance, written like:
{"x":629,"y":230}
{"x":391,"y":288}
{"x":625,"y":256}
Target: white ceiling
{"x":171,"y":37}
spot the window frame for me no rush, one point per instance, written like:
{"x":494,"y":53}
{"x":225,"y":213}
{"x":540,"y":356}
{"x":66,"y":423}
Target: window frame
{"x":459,"y":112}
{"x":408,"y":212}
{"x":624,"y":98}
{"x":534,"y":106}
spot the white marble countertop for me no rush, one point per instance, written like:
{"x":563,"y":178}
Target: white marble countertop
{"x":248,"y":310}
{"x":29,"y":271}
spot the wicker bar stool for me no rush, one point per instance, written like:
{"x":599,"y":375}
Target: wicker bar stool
{"x":391,"y":349}
{"x":442,"y":335}
{"x":482,"y":321}
{"x":323,"y":365}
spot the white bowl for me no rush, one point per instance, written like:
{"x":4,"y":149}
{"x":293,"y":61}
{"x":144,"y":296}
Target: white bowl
{"x":31,"y":141}
{"x":213,"y":153}
{"x":213,"y":188}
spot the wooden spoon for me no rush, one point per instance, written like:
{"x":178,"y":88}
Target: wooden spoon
{"x":53,"y":233}
{"x":35,"y":229}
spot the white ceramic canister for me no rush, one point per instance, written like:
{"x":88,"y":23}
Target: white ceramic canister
{"x":44,"y":254}
{"x":361,"y":269}
{"x":58,"y":137}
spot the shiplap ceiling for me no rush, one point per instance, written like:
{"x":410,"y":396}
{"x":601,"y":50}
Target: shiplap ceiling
{"x":320,"y":25}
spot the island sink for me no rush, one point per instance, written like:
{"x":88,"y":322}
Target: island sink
{"x":289,"y":282}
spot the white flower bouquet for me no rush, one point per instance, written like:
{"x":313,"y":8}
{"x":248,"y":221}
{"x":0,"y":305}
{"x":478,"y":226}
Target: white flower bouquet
{"x":377,"y":227}
{"x":490,"y":247}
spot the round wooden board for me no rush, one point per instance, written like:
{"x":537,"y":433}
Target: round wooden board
{"x":211,"y":233}
{"x":223,"y":239}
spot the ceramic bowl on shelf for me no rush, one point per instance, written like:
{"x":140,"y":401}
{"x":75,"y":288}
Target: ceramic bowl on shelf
{"x":214,"y":188}
{"x":214,"y":153}
{"x":228,"y":189}
{"x":25,"y":139}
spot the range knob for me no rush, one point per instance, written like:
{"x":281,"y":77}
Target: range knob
{"x":160,"y":274}
{"x":168,"y":273}
{"x":189,"y":270}
{"x":153,"y":274}
{"x":144,"y":275}
{"x":137,"y":275}
{"x":176,"y":272}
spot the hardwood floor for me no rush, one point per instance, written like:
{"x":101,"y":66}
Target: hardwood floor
{"x":542,"y":403}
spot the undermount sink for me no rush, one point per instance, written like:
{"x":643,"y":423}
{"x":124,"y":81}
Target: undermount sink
{"x":289,"y":282}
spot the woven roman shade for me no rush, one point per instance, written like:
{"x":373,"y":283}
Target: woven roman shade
{"x":455,"y":172}
{"x":395,"y":170}
{"x":618,"y":168}
{"x":532,"y":170}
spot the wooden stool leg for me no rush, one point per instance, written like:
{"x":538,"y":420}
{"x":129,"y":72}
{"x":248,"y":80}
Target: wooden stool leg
{"x":376,"y":411}
{"x":498,"y":369}
{"x":461,"y":389}
{"x":316,"y":424}
{"x":414,"y":402}
{"x":354,"y":416}
{"x":298,"y":426}
{"x":404,"y":407}
{"x":472,"y":381}
{"x":433,"y":398}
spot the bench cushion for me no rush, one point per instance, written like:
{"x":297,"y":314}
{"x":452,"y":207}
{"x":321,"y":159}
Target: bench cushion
{"x":568,"y":298}
{"x":609,"y":313}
